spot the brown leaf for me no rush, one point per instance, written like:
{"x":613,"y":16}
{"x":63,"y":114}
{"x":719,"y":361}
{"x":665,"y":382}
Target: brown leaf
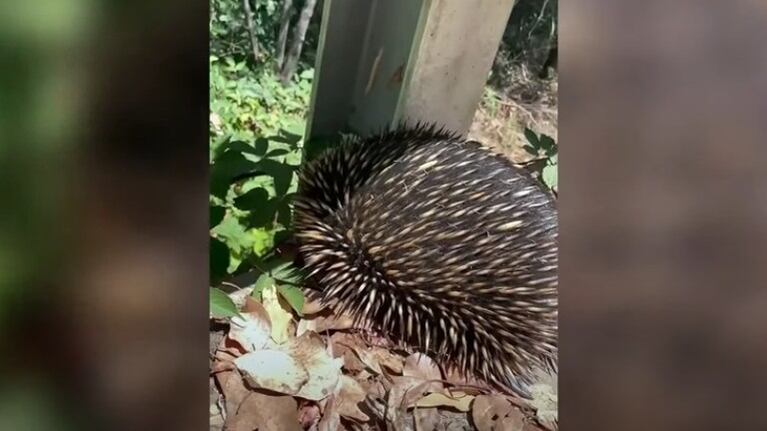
{"x":232,"y":388}
{"x":264,"y":413}
{"x":324,"y":371}
{"x":426,"y":419}
{"x":309,"y":414}
{"x":457,"y":400}
{"x":320,"y":324}
{"x":331,"y":420}
{"x":404,"y":392}
{"x":494,"y":412}
{"x":348,"y":397}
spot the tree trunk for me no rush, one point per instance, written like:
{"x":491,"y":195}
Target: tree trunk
{"x":251,"y":29}
{"x":282,"y":37}
{"x":299,"y":33}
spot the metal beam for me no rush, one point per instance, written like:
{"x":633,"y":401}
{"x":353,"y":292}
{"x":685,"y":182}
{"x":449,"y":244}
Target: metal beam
{"x":384,"y":61}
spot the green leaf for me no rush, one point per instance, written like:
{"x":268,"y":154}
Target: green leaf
{"x":221,"y":306}
{"x":277,"y":152}
{"x":549,"y":176}
{"x":280,"y":172}
{"x":530,"y":149}
{"x":293,"y":296}
{"x":263,"y":241}
{"x":547,"y":143}
{"x":254,"y":199}
{"x":307,"y":74}
{"x":228,"y":166}
{"x":532,"y":138}
{"x":264,"y":217}
{"x":216,"y":215}
{"x":287,"y":272}
{"x":263,"y":281}
{"x":219,"y":259}
{"x":261,"y":146}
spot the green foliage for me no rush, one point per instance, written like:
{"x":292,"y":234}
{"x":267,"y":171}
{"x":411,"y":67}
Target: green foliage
{"x":221,"y":305}
{"x":545,"y":149}
{"x":286,"y":278}
{"x":256,"y":129}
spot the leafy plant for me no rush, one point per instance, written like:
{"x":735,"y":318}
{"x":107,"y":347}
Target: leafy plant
{"x":545,"y":150}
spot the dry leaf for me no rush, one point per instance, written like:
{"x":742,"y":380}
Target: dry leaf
{"x":274,"y":370}
{"x":404,"y":392}
{"x":279,"y":314}
{"x":331,"y":420}
{"x":309,"y":415}
{"x":264,"y":413}
{"x":240,"y":297}
{"x":426,"y":419}
{"x":457,"y":400}
{"x":494,"y":412}
{"x":251,"y":330}
{"x":321,"y":324}
{"x":545,"y":403}
{"x":232,"y":388}
{"x":349,"y":395}
{"x":324,"y":370}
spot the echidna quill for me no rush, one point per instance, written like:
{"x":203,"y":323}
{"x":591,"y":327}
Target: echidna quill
{"x":441,"y":244}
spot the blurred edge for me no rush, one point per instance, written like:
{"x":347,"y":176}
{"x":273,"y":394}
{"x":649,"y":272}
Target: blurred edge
{"x":103,"y":238}
{"x":103,"y":233}
{"x":663,"y":215}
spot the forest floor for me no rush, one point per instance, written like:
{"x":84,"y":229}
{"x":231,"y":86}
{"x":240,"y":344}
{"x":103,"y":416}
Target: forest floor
{"x":503,"y":114}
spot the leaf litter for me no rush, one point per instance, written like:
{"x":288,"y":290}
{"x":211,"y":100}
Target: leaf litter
{"x":279,"y":369}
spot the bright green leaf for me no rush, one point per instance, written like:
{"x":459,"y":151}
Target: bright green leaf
{"x":221,"y":305}
{"x":293,"y":296}
{"x":549,"y":176}
{"x":263,"y":281}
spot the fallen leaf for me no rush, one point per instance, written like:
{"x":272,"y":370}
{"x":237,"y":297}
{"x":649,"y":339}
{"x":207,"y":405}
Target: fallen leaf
{"x":321,"y":324}
{"x":331,"y":420}
{"x":494,"y":412}
{"x":545,"y":403}
{"x":457,"y":400}
{"x":383,"y":357}
{"x":264,"y":413}
{"x":349,"y":395}
{"x":252,"y":329}
{"x":426,"y":419}
{"x":404,"y":392}
{"x":309,"y":415}
{"x":279,"y":314}
{"x":274,"y":370}
{"x":324,"y":371}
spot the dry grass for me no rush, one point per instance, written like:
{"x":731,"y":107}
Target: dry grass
{"x":502,"y":115}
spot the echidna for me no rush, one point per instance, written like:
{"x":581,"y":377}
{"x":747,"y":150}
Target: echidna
{"x":441,"y":244}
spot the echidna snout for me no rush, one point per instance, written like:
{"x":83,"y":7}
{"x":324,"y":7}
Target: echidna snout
{"x":440,"y":243}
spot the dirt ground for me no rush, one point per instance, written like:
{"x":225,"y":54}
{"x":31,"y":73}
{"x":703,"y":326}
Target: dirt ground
{"x":502,"y":116}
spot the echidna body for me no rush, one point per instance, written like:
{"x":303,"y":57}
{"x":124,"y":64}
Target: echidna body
{"x":439,"y":242}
